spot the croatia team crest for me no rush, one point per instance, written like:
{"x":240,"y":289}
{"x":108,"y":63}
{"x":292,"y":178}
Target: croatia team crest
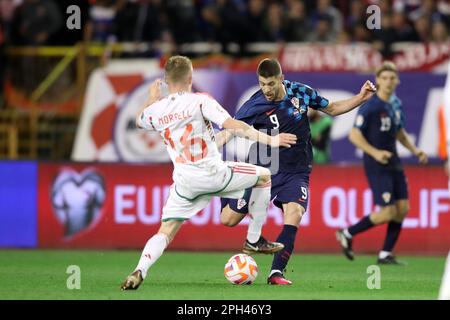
{"x":241,"y":203}
{"x":386,"y":197}
{"x":296,"y":103}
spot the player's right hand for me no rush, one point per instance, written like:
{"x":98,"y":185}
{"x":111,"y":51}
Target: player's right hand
{"x":283,"y":140}
{"x":155,"y":90}
{"x":382,"y":156}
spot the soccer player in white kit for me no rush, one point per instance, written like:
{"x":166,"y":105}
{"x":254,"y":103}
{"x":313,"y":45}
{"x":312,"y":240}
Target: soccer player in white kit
{"x":184,"y":119}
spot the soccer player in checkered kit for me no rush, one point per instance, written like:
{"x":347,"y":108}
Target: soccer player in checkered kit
{"x":378,"y":126}
{"x":183,"y":119}
{"x":281,"y":106}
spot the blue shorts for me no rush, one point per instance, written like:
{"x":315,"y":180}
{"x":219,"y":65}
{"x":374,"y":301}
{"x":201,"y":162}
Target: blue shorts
{"x":286,"y":187}
{"x":388,"y":187}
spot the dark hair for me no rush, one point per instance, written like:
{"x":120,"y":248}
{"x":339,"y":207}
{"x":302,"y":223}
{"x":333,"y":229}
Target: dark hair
{"x":269,"y":68}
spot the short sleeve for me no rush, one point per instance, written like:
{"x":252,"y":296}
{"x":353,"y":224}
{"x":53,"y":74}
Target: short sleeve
{"x":316,"y":101}
{"x":214,"y":112}
{"x":144,"y":120}
{"x":243,"y":114}
{"x":399,"y":114}
{"x":362,"y":118}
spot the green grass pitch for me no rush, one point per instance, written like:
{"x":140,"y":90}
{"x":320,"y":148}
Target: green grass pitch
{"x":41,"y":274}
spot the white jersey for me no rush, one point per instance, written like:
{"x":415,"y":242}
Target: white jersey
{"x":184,"y":121}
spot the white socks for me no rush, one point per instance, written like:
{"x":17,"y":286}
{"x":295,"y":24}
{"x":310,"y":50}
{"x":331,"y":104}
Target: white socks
{"x":259,"y":203}
{"x":347,"y":234}
{"x":274,"y":271}
{"x":383,"y":254}
{"x":152,"y":251}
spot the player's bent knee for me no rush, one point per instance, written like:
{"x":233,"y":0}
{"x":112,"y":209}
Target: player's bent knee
{"x":401,"y":215}
{"x":385,"y":215}
{"x":402,"y":211}
{"x":263,"y":171}
{"x":293,"y":216}
{"x":227,"y":222}
{"x":264,"y":179}
{"x":230,"y":218}
{"x":378,"y":219}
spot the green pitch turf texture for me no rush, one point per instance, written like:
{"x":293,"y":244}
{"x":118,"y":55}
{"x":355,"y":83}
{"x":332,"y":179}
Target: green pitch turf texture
{"x":41,"y":274}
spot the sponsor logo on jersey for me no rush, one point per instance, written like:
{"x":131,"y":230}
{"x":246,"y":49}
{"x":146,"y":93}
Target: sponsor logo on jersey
{"x":270,"y":112}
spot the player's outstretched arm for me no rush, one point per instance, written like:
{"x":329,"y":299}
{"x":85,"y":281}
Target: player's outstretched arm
{"x":154,"y":95}
{"x":404,"y":139}
{"x":357,"y":138}
{"x":222,"y":137}
{"x":241,"y":129}
{"x":343,"y":106}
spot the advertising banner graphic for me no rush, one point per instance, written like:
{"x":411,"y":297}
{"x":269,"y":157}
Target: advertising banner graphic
{"x":18,"y":212}
{"x":119,"y":206}
{"x":113,"y":98}
{"x":362,"y":57}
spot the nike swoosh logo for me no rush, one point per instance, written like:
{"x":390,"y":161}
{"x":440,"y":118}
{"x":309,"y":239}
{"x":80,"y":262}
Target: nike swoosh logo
{"x":270,"y":112}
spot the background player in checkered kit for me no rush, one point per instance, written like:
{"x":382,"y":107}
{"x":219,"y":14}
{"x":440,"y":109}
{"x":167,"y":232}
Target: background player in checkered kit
{"x":378,"y":126}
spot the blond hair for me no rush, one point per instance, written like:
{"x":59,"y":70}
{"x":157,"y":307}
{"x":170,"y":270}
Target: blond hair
{"x":177,"y":69}
{"x":386,"y":66}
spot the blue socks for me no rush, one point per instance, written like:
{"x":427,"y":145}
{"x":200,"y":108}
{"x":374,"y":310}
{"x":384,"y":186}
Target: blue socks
{"x":393,"y":231}
{"x":363,"y":225}
{"x":286,"y":237}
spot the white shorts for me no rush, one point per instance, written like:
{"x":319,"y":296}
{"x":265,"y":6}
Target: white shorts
{"x":185,"y":201}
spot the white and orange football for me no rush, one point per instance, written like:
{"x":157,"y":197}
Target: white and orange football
{"x":241,"y":269}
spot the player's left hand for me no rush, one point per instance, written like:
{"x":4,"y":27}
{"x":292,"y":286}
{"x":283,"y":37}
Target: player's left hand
{"x":367,"y":90}
{"x":422,"y":156}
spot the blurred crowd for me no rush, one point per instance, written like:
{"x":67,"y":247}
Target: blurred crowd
{"x":43,"y":22}
{"x":241,"y":22}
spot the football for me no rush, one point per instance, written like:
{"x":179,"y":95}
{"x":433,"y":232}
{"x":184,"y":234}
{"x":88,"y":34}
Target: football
{"x":241,"y":269}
